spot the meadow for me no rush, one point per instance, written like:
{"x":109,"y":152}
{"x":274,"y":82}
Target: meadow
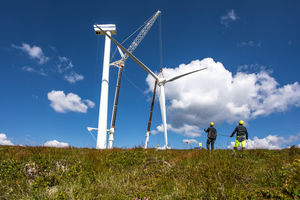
{"x":79,"y":173}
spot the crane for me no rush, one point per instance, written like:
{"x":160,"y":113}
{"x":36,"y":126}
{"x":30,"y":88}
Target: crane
{"x":120,"y":64}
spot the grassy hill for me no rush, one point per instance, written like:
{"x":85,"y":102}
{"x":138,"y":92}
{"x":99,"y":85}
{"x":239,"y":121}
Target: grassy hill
{"x":73,"y":173}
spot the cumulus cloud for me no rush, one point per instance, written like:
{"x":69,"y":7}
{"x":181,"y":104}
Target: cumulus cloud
{"x":34,"y":52}
{"x":73,"y":77}
{"x":71,"y":102}
{"x":269,"y":142}
{"x":229,"y":17}
{"x":33,"y":70}
{"x":55,"y":143}
{"x":4,"y":140}
{"x":215,"y":94}
{"x":185,"y":129}
{"x":190,"y":141}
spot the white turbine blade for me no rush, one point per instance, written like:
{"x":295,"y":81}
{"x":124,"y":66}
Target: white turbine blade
{"x":182,"y":75}
{"x":162,"y":102}
{"x":121,"y":52}
{"x":90,"y":128}
{"x":131,"y":55}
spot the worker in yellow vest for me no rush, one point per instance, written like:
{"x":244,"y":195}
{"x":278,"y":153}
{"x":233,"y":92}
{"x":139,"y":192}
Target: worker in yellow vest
{"x":241,"y":135}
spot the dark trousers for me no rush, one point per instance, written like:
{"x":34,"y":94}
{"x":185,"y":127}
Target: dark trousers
{"x":210,"y":141}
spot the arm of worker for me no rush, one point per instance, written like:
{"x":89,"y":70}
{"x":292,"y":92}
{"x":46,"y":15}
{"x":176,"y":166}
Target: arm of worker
{"x":232,"y":134}
{"x":246,"y":134}
{"x":206,"y":130}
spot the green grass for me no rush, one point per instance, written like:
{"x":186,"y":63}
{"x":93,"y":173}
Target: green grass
{"x":73,"y":173}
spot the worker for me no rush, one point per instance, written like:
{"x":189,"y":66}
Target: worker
{"x":241,"y":135}
{"x":211,"y":136}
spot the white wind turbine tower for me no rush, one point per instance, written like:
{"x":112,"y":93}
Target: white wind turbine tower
{"x":161,"y":83}
{"x":102,"y":120}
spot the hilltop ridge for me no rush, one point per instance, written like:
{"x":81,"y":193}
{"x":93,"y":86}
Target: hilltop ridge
{"x":76,"y":173}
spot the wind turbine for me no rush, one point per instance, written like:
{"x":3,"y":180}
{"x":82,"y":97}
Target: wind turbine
{"x":161,"y":83}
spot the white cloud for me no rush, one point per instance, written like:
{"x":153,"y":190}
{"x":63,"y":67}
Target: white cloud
{"x":186,"y":130}
{"x":64,"y":65}
{"x":31,"y":69}
{"x":89,"y":103}
{"x":190,"y":141}
{"x":73,"y":77}
{"x":270,"y":142}
{"x":4,"y":140}
{"x":55,"y":143}
{"x":63,"y":59}
{"x":215,"y":94}
{"x":229,"y":17}
{"x":34,"y":52}
{"x":71,"y":102}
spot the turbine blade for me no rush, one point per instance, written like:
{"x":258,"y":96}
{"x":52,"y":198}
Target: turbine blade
{"x":131,"y":56}
{"x":182,"y":75}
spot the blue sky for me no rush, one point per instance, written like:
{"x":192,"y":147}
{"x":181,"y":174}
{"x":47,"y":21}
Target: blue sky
{"x":49,"y":55}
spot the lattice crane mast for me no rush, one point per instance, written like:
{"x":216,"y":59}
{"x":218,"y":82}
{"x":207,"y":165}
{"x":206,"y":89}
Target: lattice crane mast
{"x":137,"y":40}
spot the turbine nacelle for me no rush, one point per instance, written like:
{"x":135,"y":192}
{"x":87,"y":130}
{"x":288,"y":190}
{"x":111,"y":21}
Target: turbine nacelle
{"x":100,"y":28}
{"x":162,"y":81}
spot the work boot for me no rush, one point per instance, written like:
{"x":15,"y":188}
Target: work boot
{"x":207,"y":146}
{"x":212,"y":147}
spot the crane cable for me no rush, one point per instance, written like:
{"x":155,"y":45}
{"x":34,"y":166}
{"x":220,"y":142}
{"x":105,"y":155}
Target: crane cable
{"x":160,"y":51}
{"x":134,"y":85}
{"x":97,"y":50}
{"x":160,"y":41}
{"x":127,"y":77}
{"x":131,"y":36}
